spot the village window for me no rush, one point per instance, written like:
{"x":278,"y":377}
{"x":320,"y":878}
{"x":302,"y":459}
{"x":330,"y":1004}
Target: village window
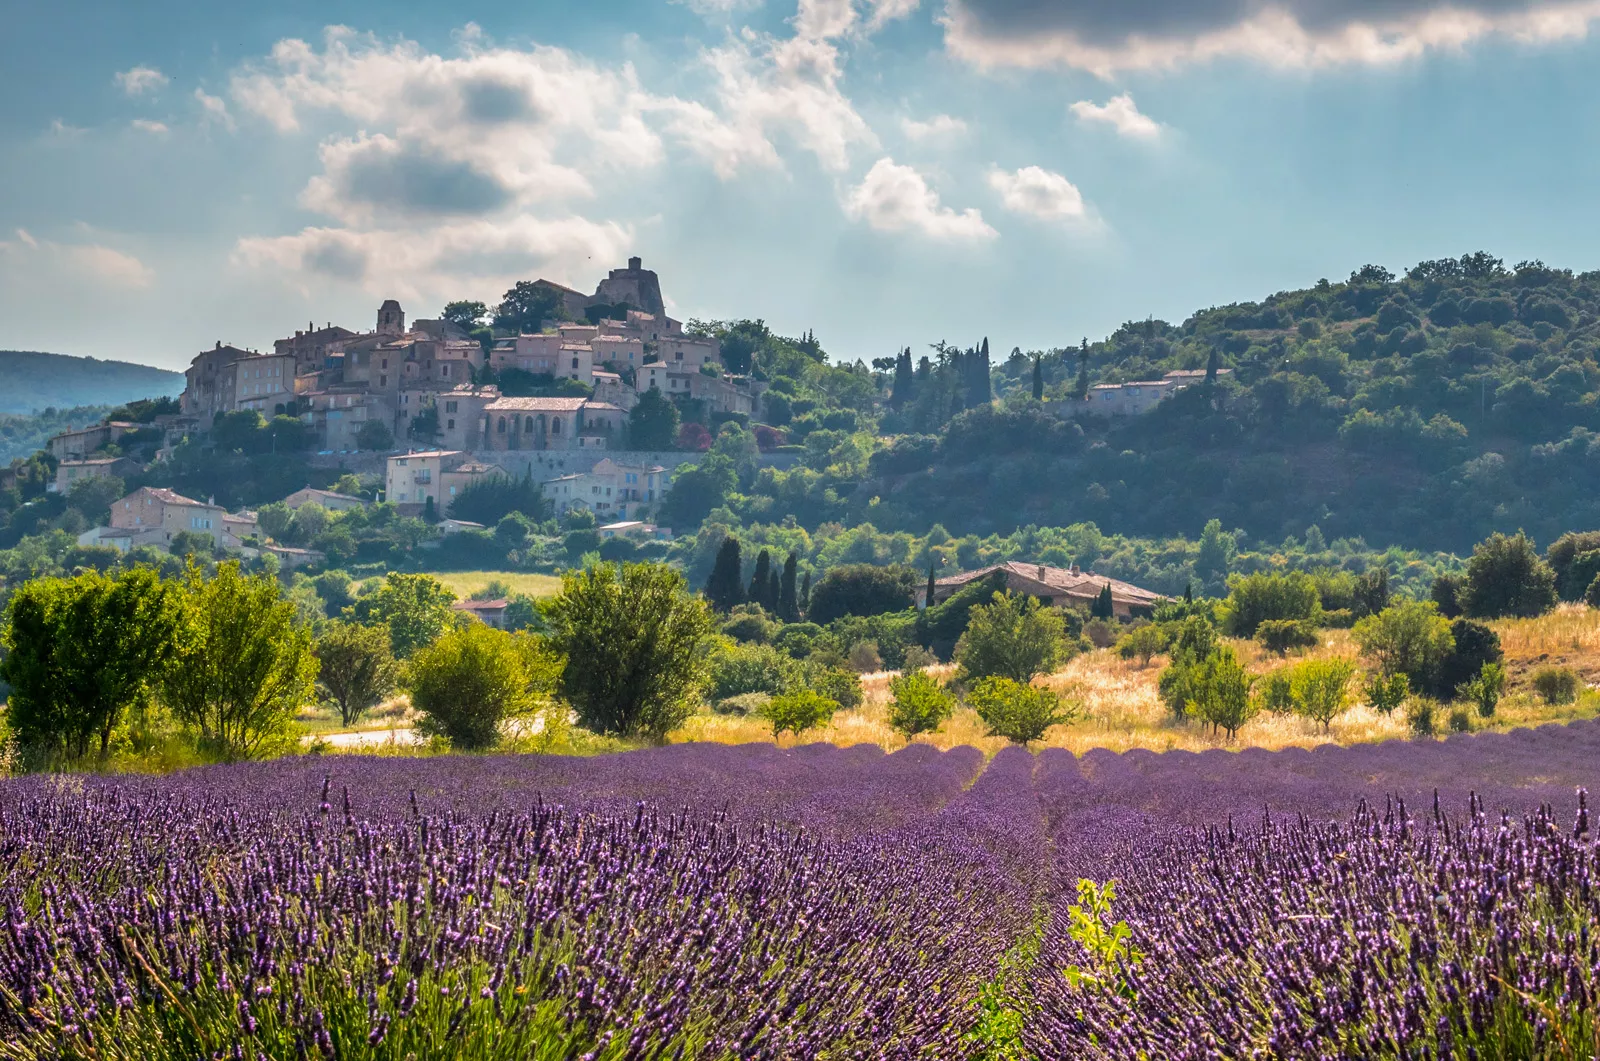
{"x":555,"y":426}
{"x":527,"y":424}
{"x":450,"y":425}
{"x":501,"y":426}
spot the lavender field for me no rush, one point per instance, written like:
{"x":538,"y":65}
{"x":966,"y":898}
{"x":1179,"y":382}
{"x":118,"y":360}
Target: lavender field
{"x":1427,"y":900}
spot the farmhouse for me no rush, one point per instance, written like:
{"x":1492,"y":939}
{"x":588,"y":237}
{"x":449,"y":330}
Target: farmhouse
{"x":1062,"y":587}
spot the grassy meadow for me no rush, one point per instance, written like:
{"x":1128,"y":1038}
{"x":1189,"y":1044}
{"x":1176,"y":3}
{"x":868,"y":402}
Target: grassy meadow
{"x":1123,"y":711}
{"x":465,"y":583}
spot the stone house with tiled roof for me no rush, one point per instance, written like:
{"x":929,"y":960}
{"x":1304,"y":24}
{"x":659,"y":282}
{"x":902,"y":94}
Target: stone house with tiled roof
{"x":1062,"y":587}
{"x":153,"y":514}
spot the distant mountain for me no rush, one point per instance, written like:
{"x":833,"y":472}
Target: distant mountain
{"x":34,"y":381}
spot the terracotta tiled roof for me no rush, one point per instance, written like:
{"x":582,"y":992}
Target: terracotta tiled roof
{"x":536,"y":405}
{"x":1084,"y":585}
{"x":172,"y":497}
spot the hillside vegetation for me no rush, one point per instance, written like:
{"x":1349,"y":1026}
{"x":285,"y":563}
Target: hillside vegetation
{"x":37,"y":381}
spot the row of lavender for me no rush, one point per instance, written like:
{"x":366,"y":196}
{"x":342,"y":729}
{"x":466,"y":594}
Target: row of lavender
{"x":750,"y":902}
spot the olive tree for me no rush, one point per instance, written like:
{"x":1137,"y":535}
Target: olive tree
{"x":1014,"y":637}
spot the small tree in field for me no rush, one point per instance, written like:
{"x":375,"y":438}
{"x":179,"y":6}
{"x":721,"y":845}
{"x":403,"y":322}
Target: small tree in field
{"x":467,"y":682}
{"x":799,"y":711}
{"x":1486,"y":689}
{"x":243,"y":667}
{"x":357,"y":668}
{"x":635,"y":640}
{"x":1408,"y":638}
{"x":1507,"y":577}
{"x":920,"y":704}
{"x":1143,"y":644}
{"x":1322,"y":689}
{"x":1013,"y":637}
{"x":1020,"y":713}
{"x":415,"y":608}
{"x":1386,"y":692}
{"x":81,"y":652}
{"x":1219,"y":692}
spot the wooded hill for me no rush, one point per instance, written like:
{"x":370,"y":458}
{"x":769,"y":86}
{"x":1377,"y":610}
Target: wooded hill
{"x":1426,"y":410}
{"x":37,"y":381}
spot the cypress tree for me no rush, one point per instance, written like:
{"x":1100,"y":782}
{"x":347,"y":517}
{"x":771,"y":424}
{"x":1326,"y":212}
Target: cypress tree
{"x":1188,"y":592}
{"x":933,"y":565}
{"x":805,"y":593}
{"x":725,"y":588}
{"x":788,"y":601}
{"x":1213,"y":361}
{"x":982,"y":389}
{"x":1103,"y":607}
{"x":774,"y":589}
{"x":1038,"y":377}
{"x":904,"y":380}
{"x":1083,"y":370}
{"x":759,"y":580}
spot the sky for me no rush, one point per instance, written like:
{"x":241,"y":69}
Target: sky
{"x":888,"y":173}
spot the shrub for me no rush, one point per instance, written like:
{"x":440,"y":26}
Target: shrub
{"x":1276,"y":691}
{"x":920,"y":704}
{"x":466,"y":683}
{"x":837,"y":684}
{"x":1486,"y":689}
{"x":1012,"y":637}
{"x":864,"y":658}
{"x":797,"y":639}
{"x":1556,"y":685}
{"x":1281,"y":635}
{"x":799,"y":711}
{"x":1420,"y":717}
{"x":357,"y":668}
{"x":737,"y":669}
{"x":1474,"y":645}
{"x":862,"y":589}
{"x":1460,"y":720}
{"x":743,"y":704}
{"x":1386,"y":692}
{"x":1591,"y":596}
{"x":1322,"y":689}
{"x":918,"y":658}
{"x":1020,"y":713}
{"x":1102,"y":633}
{"x":1142,"y":643}
{"x":750,"y":623}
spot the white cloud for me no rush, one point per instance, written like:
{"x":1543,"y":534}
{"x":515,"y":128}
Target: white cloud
{"x":1038,"y":193}
{"x":895,"y":198}
{"x":144,"y":125}
{"x":717,"y":9}
{"x":937,"y":127}
{"x":1120,"y":113}
{"x":27,"y":257}
{"x":767,"y":87}
{"x":213,"y":109}
{"x":1288,"y":34}
{"x":443,"y":261}
{"x":824,"y":19}
{"x":140,"y":79}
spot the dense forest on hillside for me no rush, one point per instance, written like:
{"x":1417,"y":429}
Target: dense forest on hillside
{"x":1425,"y":410}
{"x":37,"y":381}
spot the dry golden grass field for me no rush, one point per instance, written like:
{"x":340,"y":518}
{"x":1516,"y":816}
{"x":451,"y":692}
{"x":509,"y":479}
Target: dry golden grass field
{"x":1122,"y":710}
{"x":465,"y":583}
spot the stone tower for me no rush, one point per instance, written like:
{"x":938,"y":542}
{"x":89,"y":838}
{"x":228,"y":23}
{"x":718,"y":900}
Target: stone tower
{"x":391,"y":318}
{"x":637,"y":286}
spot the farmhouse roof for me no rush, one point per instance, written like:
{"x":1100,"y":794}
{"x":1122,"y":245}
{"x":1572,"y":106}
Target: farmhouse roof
{"x":1070,"y":582}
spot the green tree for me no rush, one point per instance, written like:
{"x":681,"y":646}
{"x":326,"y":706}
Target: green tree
{"x":1014,"y":637}
{"x":919,"y":704}
{"x":653,"y":422}
{"x":1486,"y":689}
{"x":243,"y":666}
{"x":1322,"y":689}
{"x":1258,"y":598}
{"x":468,"y":316}
{"x":798,"y":711}
{"x":725,"y":586}
{"x":275,"y":520}
{"x":1216,"y":553}
{"x":1220,"y":692}
{"x":788,"y":592}
{"x":1386,"y":692}
{"x":1038,"y":377}
{"x":415,"y":608}
{"x":1409,"y":638}
{"x":638,"y":639}
{"x":696,"y":490}
{"x":374,"y":434}
{"x":1017,"y":711}
{"x":862,"y":589}
{"x":467,"y":683}
{"x":357,"y":669}
{"x":93,"y":497}
{"x":525,"y":307}
{"x":81,"y":652}
{"x":1103,"y":606}
{"x":488,"y":499}
{"x":1506,"y":577}
{"x":760,"y":582}
{"x":1142,"y":643}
